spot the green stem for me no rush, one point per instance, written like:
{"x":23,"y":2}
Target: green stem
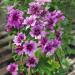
{"x":22,"y":59}
{"x":29,"y":72}
{"x":58,"y":59}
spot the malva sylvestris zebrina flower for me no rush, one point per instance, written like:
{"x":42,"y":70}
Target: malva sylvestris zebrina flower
{"x":13,"y":68}
{"x":36,"y":31}
{"x":48,"y":48}
{"x":35,"y":8}
{"x":31,"y":62}
{"x":19,"y":39}
{"x":39,"y":23}
{"x":43,"y":41}
{"x":14,"y":18}
{"x":30,"y":20}
{"x":30,"y":47}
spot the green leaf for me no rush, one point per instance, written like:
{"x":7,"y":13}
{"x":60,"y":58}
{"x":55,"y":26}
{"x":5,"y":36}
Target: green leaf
{"x":23,"y":7}
{"x":22,"y":68}
{"x":16,"y":57}
{"x":60,"y":53}
{"x":6,"y":1}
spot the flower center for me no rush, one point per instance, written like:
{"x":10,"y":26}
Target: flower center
{"x":32,"y":61}
{"x":12,"y":69}
{"x":37,"y":32}
{"x":29,"y":47}
{"x":15,"y":17}
{"x":21,"y":37}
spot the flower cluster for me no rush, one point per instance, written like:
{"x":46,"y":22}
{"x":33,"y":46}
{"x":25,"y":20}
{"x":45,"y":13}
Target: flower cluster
{"x":41,"y":22}
{"x":14,"y":19}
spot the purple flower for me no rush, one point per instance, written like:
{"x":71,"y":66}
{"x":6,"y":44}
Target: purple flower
{"x":30,"y":48}
{"x":43,"y":41}
{"x":48,"y":48}
{"x":35,"y":8}
{"x":15,"y":18}
{"x":58,"y":15}
{"x":59,"y":33}
{"x":31,"y":62}
{"x":20,"y":50}
{"x":30,"y":20}
{"x":13,"y":68}
{"x":56,"y":43}
{"x":43,"y":0}
{"x":19,"y":38}
{"x":51,"y":22}
{"x":37,"y":31}
{"x":8,"y":28}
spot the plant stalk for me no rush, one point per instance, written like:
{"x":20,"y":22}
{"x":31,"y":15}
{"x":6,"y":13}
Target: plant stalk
{"x":29,"y":72}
